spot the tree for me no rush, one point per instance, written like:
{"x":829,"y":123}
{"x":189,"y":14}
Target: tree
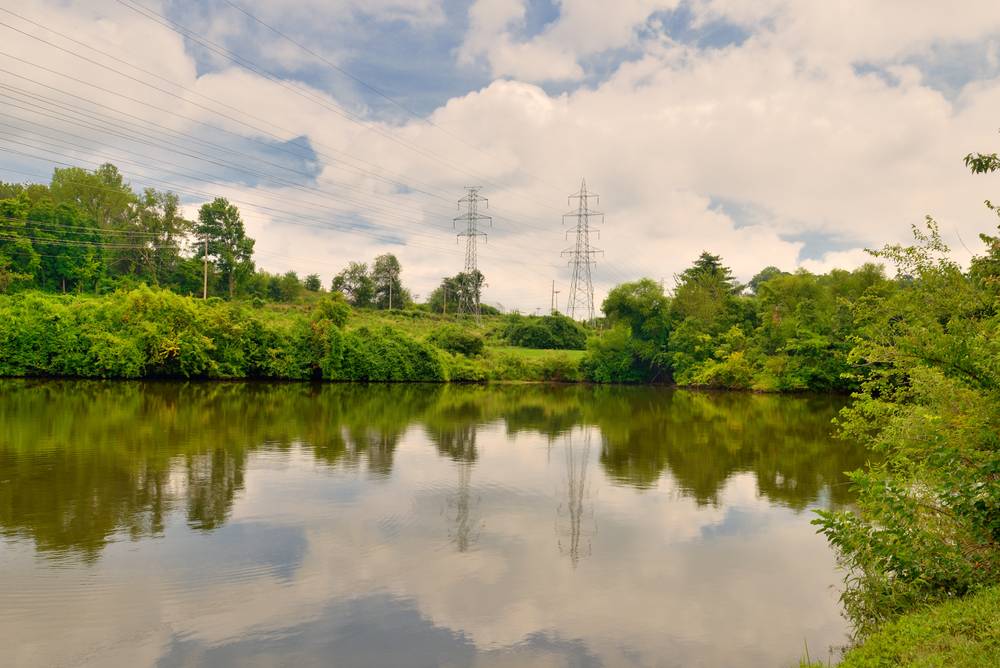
{"x":229,"y":248}
{"x":289,"y":287}
{"x":355,"y":284}
{"x":158,"y":230}
{"x":705,"y":306}
{"x":642,"y":306}
{"x":19,"y":262}
{"x":313,"y":283}
{"x":927,"y":521}
{"x":102,"y":194}
{"x":385,"y":279}
{"x":444,"y":298}
{"x":763,"y":276}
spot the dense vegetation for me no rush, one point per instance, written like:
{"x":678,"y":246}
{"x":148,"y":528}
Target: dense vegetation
{"x":927,"y":526}
{"x":782,"y":332}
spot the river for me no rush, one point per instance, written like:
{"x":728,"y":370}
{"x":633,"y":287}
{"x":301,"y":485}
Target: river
{"x":244,"y":524}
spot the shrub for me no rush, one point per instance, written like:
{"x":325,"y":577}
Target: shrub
{"x":333,"y":308}
{"x":457,"y":340}
{"x":559,"y":368}
{"x":613,"y":358}
{"x":547,"y":332}
{"x":385,"y":354}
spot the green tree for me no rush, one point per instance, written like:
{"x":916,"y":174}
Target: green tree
{"x":705,"y":305}
{"x":927,"y":524}
{"x":229,"y":247}
{"x":355,"y":284}
{"x":103,"y":194}
{"x":387,"y":285}
{"x":444,"y":298}
{"x":289,"y":286}
{"x":158,"y":231}
{"x":312,"y":283}
{"x":763,"y":276}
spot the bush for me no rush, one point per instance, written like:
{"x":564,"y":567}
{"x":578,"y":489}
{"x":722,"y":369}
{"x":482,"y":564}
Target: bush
{"x":559,"y":369}
{"x":556,"y":332}
{"x":614,"y":358}
{"x":385,"y":354}
{"x":457,"y":340}
{"x":333,"y":308}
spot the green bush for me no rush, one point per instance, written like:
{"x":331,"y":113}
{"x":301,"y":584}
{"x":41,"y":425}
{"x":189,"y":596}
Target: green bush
{"x":146,"y":333}
{"x":614,"y":358}
{"x":926,"y":524}
{"x":554,"y":332}
{"x":457,"y":340}
{"x":559,"y":369}
{"x":385,"y":354}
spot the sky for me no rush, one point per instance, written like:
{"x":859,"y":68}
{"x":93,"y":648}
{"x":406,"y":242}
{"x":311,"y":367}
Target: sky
{"x":770,"y":132}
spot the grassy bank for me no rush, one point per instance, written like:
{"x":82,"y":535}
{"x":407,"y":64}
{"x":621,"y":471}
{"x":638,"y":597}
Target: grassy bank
{"x":149,"y":333}
{"x":958,"y":634}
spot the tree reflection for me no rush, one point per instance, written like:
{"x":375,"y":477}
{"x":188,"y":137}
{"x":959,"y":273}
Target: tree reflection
{"x":84,"y":462}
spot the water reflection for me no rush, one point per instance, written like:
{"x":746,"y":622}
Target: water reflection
{"x":302,"y":524}
{"x":573,"y":509}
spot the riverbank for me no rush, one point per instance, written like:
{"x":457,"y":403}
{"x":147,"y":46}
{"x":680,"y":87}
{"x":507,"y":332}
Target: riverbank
{"x":149,"y":333}
{"x":958,"y":634}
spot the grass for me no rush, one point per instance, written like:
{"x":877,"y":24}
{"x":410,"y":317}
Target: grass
{"x":536,"y":354}
{"x":958,"y":634}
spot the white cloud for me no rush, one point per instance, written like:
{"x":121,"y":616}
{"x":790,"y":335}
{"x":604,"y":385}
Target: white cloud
{"x":583,"y":28}
{"x":781,"y":125}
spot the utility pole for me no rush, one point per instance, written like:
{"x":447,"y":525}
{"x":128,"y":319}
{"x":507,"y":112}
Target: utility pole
{"x":204,"y":287}
{"x":468,"y":298}
{"x":581,"y":288}
{"x":555,"y":299}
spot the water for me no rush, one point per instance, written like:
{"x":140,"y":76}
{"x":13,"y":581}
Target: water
{"x":235,"y":524}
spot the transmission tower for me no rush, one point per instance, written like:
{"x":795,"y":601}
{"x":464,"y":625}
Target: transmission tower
{"x":580,"y":301}
{"x":468,"y":298}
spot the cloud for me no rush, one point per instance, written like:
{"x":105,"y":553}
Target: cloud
{"x":583,"y":28}
{"x":785,"y":127}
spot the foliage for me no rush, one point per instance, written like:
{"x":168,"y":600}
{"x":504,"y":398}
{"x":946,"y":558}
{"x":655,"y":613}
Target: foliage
{"x":458,"y":289}
{"x":228,"y":246}
{"x":792,"y":334}
{"x":388,"y":289}
{"x":355,"y":284}
{"x":455,"y":339}
{"x":927,"y":526}
{"x":551,"y":332}
{"x":150,"y":333}
{"x":379,"y":287}
{"x":312,"y":283}
{"x":615,"y":358}
{"x":386,"y":354}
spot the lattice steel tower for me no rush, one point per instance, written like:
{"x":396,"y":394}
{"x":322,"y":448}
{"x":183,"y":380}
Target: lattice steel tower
{"x":580,"y":301}
{"x":468,"y":298}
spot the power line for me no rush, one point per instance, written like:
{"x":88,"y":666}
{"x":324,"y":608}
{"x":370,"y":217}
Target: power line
{"x":372,"y":88}
{"x":256,"y":68}
{"x":614,"y":269}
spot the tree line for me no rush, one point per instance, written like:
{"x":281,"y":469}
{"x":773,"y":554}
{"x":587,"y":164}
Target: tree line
{"x":90,"y":232}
